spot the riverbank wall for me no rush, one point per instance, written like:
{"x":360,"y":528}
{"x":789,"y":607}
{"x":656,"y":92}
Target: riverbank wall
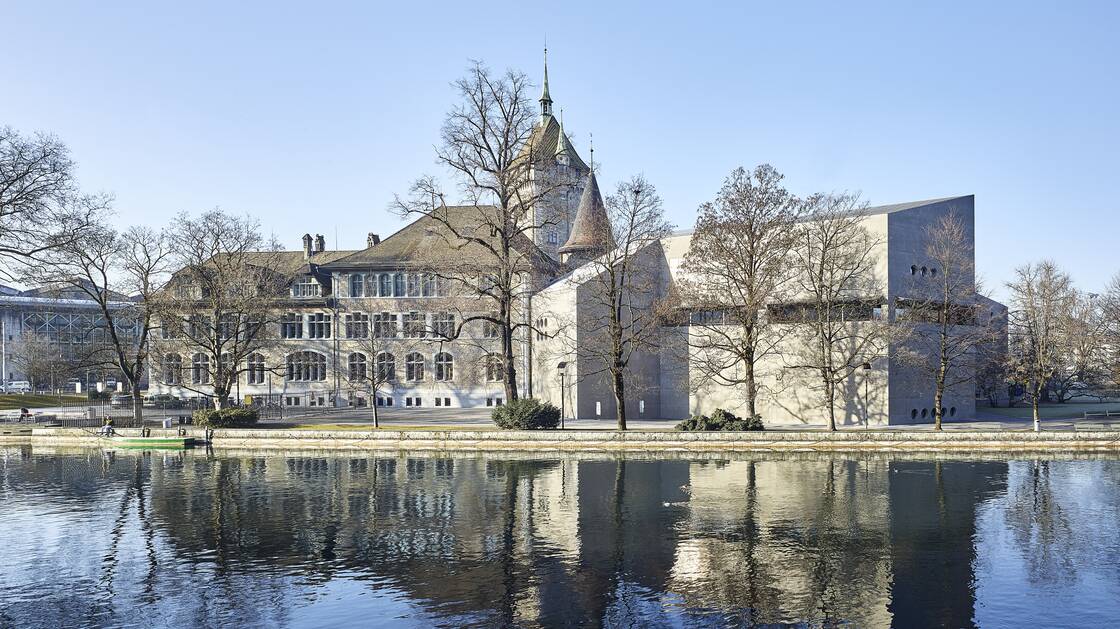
{"x":604,"y":440}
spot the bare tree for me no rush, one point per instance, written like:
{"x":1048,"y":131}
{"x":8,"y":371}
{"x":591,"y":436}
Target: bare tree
{"x":217,"y":308}
{"x":737,"y":265}
{"x":838,"y":319}
{"x":1083,"y":355}
{"x":1111,"y":308}
{"x":945,"y":329}
{"x":623,"y":316}
{"x":41,"y":207}
{"x":42,"y":361}
{"x":122,"y":274}
{"x":1041,"y":298}
{"x":489,"y":250}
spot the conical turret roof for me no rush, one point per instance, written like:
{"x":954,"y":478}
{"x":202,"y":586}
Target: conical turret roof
{"x":591,"y":230}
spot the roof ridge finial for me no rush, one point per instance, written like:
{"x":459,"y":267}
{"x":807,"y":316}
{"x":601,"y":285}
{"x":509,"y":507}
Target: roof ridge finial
{"x":546,"y":99}
{"x":591,"y":149}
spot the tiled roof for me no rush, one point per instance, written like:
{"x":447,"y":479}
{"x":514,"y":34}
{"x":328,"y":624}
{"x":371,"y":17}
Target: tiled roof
{"x":544,"y":139}
{"x":591,"y":228}
{"x":426,"y":240}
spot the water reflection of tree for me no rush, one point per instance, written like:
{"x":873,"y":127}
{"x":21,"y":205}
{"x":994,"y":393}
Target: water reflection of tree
{"x":1040,"y":525}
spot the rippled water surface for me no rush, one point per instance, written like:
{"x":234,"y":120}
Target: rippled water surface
{"x":190,"y":539}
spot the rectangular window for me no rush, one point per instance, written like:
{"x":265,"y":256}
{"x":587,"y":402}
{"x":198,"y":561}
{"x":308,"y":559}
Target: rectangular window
{"x":641,"y":407}
{"x":443,"y":325}
{"x":447,"y":401}
{"x":437,"y":401}
{"x":490,"y":330}
{"x":598,"y":409}
{"x":291,"y":326}
{"x":357,"y":325}
{"x":398,"y":285}
{"x":385,"y":325}
{"x":428,"y":286}
{"x":415,"y":325}
{"x":319,"y":326}
{"x":413,"y":285}
{"x":306,"y":287}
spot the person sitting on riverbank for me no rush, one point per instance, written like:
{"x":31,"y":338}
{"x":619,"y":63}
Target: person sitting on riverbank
{"x":25,"y":415}
{"x":107,"y":427}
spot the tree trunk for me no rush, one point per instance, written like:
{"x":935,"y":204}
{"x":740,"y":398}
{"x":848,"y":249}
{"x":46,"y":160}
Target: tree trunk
{"x":373,"y":406}
{"x":510,"y":383}
{"x":620,"y":399}
{"x":938,"y":394}
{"x":1034,"y":408}
{"x":830,"y":394}
{"x":751,"y":386}
{"x":137,"y":407}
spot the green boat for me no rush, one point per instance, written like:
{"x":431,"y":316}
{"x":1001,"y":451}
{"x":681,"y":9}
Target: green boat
{"x":163,"y":443}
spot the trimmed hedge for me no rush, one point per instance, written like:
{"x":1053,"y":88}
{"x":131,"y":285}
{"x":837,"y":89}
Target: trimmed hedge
{"x":527,"y":414}
{"x":721,"y":420}
{"x":235,"y":417}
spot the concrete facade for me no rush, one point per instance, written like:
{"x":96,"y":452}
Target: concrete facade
{"x":667,"y":383}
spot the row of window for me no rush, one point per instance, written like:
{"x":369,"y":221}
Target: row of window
{"x":383,"y":325}
{"x":310,"y":366}
{"x":397,"y":285}
{"x":923,"y":270}
{"x":929,"y":412}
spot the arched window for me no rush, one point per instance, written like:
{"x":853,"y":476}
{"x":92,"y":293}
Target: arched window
{"x":913,"y":269}
{"x":385,"y":282}
{"x":398,"y":284}
{"x":357,"y":285}
{"x":414,"y":367}
{"x":200,"y":369}
{"x":307,"y":367}
{"x":444,"y":367}
{"x":494,"y":371}
{"x":357,"y":366}
{"x":386,"y":367}
{"x":255,"y":369}
{"x":172,"y":368}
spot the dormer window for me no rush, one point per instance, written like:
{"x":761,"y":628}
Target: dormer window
{"x":306,"y":287}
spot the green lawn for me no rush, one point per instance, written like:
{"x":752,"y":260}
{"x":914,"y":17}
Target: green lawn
{"x":15,"y":401}
{"x":368,"y":427}
{"x":1069,"y":410}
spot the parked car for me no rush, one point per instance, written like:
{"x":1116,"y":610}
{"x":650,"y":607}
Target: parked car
{"x":120,"y":400}
{"x":18,"y":386}
{"x":163,"y":400}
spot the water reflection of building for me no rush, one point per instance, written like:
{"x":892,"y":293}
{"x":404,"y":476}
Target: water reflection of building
{"x":566,"y":542}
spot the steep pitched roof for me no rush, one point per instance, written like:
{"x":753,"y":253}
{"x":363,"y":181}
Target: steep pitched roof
{"x":424,"y":241}
{"x":545,"y":138}
{"x":591,"y":228}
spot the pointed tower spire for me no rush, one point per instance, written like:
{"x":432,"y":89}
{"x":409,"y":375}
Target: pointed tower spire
{"x":562,"y":145}
{"x":546,"y":100}
{"x":591,"y":234}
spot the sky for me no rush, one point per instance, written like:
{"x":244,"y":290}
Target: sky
{"x":311,"y":116}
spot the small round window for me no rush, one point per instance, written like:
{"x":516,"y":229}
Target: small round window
{"x":913,"y":413}
{"x":924,"y":270}
{"x":933,"y":271}
{"x":925,"y":412}
{"x":913,"y":269}
{"x":952,"y":411}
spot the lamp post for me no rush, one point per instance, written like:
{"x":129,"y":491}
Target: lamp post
{"x":866,"y":396}
{"x":560,"y":369}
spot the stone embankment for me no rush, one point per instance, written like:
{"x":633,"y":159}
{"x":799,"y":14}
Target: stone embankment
{"x":608,"y":441}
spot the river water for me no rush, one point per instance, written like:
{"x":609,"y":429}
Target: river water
{"x":94,"y":538}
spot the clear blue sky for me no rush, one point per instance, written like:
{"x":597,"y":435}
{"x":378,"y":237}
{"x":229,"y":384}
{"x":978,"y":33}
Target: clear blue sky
{"x":311,"y":116}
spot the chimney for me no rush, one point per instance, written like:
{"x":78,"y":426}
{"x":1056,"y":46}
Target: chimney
{"x":372,"y":239}
{"x":307,"y":245}
{"x":320,"y":243}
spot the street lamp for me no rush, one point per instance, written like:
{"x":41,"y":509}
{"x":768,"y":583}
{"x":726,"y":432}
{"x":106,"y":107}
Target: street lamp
{"x":560,"y":369}
{"x":866,"y":396}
